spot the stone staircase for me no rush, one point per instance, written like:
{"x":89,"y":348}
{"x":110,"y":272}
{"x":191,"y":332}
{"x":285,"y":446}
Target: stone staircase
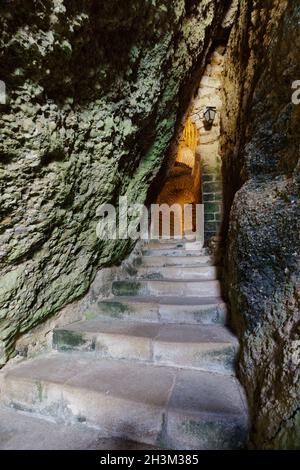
{"x":155,"y":364}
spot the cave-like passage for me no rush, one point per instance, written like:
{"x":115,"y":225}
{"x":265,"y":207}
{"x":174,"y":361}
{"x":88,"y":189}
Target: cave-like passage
{"x":183,"y":185}
{"x":195,"y":176}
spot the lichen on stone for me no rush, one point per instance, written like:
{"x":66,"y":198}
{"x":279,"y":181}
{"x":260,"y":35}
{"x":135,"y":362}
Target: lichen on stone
{"x":261,"y":171}
{"x":93,"y":100}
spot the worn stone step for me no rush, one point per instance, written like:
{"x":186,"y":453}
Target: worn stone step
{"x":189,"y":239}
{"x":188,"y":310}
{"x":172,"y":245}
{"x":24,"y":431}
{"x":167,"y":287}
{"x":161,"y":406}
{"x":172,"y":252}
{"x":180,"y":261}
{"x":211,"y":348}
{"x":200,"y":273}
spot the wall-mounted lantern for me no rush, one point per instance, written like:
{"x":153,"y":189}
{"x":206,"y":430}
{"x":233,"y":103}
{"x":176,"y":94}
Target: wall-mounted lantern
{"x":209,"y":116}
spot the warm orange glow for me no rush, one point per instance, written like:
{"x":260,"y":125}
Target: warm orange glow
{"x":188,"y":144}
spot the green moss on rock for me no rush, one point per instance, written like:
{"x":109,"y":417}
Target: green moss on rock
{"x":93,"y":104}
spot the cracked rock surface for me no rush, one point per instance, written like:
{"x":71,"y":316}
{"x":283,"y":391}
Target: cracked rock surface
{"x":93,"y":96}
{"x":262,"y":176}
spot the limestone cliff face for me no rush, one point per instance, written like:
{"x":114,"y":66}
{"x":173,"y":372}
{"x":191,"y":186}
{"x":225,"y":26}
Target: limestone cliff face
{"x":261,"y":143}
{"x":93,"y":99}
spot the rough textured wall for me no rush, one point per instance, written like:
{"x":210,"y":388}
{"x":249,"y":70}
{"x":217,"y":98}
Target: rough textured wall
{"x":93,"y":98}
{"x":261,"y":144}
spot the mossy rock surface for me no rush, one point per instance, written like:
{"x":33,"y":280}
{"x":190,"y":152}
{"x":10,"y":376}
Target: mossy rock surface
{"x":94,"y":92}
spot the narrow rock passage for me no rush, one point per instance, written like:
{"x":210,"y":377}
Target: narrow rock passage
{"x":156,"y":365}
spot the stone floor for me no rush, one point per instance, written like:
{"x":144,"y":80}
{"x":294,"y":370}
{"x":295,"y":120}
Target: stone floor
{"x":21,"y":431}
{"x":154,"y":364}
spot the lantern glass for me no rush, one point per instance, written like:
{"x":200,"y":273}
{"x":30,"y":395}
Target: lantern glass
{"x":209,"y":116}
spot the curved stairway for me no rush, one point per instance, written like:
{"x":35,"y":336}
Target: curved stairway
{"x":154,"y":364}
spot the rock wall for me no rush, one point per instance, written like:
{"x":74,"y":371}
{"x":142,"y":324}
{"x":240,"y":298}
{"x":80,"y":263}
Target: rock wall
{"x":93,"y":99}
{"x":260,"y":149}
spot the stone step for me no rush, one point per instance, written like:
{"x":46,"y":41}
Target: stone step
{"x":188,"y":310}
{"x":167,"y":287}
{"x":172,"y":245}
{"x":172,"y":252}
{"x":199,"y":273}
{"x":203,"y":347}
{"x":189,"y":239}
{"x":25,"y":431}
{"x":166,"y":407}
{"x":180,"y":261}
